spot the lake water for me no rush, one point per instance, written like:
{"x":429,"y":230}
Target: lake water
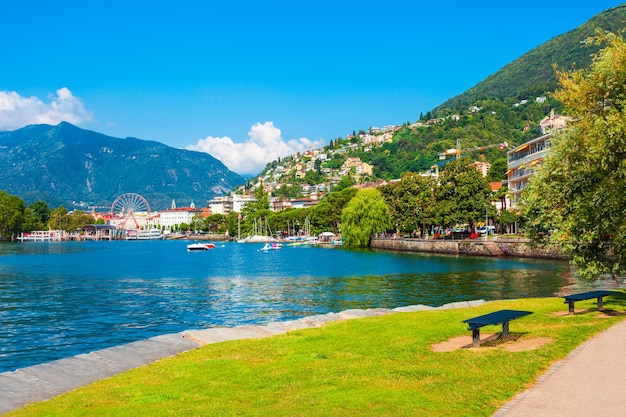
{"x":61,"y":299}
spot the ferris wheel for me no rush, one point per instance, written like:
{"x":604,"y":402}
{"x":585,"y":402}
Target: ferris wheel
{"x":129,"y":203}
{"x":125,"y":205}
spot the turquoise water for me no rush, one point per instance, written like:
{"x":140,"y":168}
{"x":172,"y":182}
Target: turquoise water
{"x":62,"y":299}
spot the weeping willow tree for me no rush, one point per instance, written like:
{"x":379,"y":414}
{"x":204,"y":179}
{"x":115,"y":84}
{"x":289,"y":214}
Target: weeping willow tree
{"x":364,"y":215}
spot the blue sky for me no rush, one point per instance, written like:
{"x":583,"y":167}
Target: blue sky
{"x":250,"y":81}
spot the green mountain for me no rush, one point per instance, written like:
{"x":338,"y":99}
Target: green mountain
{"x":532,"y":74}
{"x":506,"y":107}
{"x":77,"y":168}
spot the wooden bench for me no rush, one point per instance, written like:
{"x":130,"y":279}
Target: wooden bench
{"x":497,"y":317}
{"x":599,"y":294}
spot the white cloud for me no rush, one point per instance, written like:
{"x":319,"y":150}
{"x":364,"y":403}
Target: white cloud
{"x":264,"y":145}
{"x":17,"y":111}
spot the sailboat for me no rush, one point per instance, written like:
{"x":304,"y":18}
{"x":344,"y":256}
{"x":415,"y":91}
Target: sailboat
{"x":261,"y":228}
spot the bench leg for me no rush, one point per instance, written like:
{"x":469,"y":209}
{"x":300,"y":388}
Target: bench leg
{"x":476,"y":337}
{"x":505,"y":329}
{"x":571,"y":307}
{"x":599,"y":303}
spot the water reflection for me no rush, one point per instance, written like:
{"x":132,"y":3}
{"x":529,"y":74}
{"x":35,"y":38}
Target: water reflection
{"x":58,"y":300}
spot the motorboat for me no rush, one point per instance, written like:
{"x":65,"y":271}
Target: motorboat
{"x":193,"y":247}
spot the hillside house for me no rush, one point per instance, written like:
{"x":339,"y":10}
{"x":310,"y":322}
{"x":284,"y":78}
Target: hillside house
{"x":361,"y":168}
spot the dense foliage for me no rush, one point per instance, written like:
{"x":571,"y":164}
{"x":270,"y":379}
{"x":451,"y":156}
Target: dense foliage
{"x":419,"y":205}
{"x":504,"y":108}
{"x":16,"y":217}
{"x":532,"y":74}
{"x":578,"y":198}
{"x":365,"y":215}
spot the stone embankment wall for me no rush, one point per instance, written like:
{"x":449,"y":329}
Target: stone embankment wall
{"x":478,"y":247}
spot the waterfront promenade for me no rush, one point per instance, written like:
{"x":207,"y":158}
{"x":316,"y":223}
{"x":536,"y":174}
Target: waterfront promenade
{"x":588,"y":382}
{"x":45,"y":381}
{"x":494,"y":247}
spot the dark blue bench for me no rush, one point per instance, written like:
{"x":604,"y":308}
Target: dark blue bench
{"x":497,"y":317}
{"x":599,"y":294}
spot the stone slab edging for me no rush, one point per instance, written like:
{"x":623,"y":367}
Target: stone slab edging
{"x":45,"y":381}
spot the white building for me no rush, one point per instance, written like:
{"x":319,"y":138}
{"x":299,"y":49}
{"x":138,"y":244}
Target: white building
{"x":240,"y":200}
{"x":221,"y":205}
{"x":177,"y":216}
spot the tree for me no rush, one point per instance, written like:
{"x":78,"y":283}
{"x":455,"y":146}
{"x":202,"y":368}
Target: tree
{"x":60,"y":219}
{"x":462,"y":195}
{"x":216,"y":223}
{"x":12,"y":209}
{"x":79,"y":218}
{"x":326,"y":214}
{"x":36,"y":216}
{"x":410,"y":201}
{"x":345,"y":182}
{"x":497,"y":171}
{"x":365,"y":214}
{"x":577,"y":199}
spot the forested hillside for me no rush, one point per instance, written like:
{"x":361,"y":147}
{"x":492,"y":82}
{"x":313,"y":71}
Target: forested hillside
{"x":507,"y":107}
{"x":532,"y":74}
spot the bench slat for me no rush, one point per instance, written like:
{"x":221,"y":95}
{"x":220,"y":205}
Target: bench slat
{"x":589,"y":295}
{"x":598,"y":294}
{"x":497,"y":317}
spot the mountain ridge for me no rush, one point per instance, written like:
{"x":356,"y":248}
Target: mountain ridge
{"x":79,"y":168}
{"x":534,"y":78}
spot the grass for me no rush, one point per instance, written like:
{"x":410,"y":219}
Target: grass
{"x":379,"y":366}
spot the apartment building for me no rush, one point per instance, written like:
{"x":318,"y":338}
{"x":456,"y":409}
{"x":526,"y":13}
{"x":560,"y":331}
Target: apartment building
{"x":522,"y":162}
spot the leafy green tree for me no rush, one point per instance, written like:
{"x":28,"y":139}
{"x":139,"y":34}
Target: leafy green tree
{"x":198,"y":223}
{"x":233,"y":223}
{"x":12,"y":212}
{"x":321,"y":216}
{"x":411,"y":202}
{"x":345,"y":182}
{"x":79,"y":218}
{"x":497,"y":171}
{"x":36,"y":216}
{"x":462,"y":195}
{"x":326,"y":215}
{"x":60,"y":219}
{"x":577,"y":199}
{"x":312,"y":177}
{"x":365,"y":214}
{"x":216,"y":223}
{"x":506,"y":219}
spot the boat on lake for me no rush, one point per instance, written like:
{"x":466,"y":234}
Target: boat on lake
{"x":193,"y":247}
{"x":257,"y":239}
{"x":271,"y":246}
{"x":143,"y":234}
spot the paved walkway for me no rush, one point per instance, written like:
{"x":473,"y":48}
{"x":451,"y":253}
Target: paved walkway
{"x":590,"y":381}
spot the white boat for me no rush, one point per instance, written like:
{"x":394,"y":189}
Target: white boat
{"x":149,"y":234}
{"x":143,"y":234}
{"x":193,"y":247}
{"x":257,"y":239}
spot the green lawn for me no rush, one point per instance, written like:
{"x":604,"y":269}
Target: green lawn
{"x":380,"y":366}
